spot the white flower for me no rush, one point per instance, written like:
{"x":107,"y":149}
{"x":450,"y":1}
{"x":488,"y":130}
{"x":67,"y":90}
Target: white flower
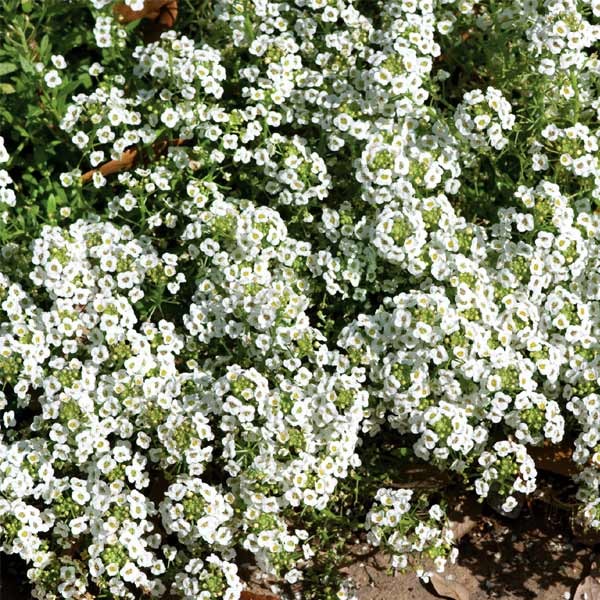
{"x":135,"y":5}
{"x":170,"y":117}
{"x":509,"y":504}
{"x":80,"y":139}
{"x":4,"y":156}
{"x":95,"y":69}
{"x":52,"y":78}
{"x":58,"y":61}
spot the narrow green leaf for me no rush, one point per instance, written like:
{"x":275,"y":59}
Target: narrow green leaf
{"x":44,"y":46}
{"x":51,"y":205}
{"x":6,"y":68}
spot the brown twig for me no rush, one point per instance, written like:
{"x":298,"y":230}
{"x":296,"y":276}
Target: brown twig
{"x":129,"y":159}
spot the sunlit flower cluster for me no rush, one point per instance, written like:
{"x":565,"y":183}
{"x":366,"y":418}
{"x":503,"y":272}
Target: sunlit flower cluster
{"x":394,"y":522}
{"x":7,"y":193}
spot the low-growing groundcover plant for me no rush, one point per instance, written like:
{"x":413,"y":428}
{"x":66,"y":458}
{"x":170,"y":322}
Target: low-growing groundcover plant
{"x":341,"y":236}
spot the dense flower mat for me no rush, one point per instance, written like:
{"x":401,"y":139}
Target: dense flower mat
{"x":256,"y":264}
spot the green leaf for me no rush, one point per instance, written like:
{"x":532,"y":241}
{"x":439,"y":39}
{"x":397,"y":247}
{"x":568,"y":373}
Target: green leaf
{"x":51,"y":205}
{"x":132,"y":24}
{"x":26,"y":177}
{"x":33,"y":111}
{"x":6,"y":68}
{"x":6,"y":88}
{"x":26,"y":65}
{"x":6,"y":115}
{"x":32,"y":212}
{"x":85,"y":80}
{"x":62,"y":196}
{"x":44,"y":46}
{"x":24,"y":132}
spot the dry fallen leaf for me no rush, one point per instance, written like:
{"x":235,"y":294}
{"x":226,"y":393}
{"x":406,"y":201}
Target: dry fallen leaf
{"x":253,"y":596}
{"x":161,"y":15}
{"x":449,"y":589}
{"x":588,"y":589}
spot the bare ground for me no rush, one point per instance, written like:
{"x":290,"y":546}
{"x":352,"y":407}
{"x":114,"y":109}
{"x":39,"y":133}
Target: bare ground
{"x":533,"y":557}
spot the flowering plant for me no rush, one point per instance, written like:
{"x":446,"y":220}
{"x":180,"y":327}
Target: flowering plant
{"x":252,"y":269}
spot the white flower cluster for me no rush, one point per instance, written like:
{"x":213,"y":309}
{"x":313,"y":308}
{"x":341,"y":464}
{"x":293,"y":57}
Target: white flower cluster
{"x":503,"y":327}
{"x":483,"y":117}
{"x":561,"y":34}
{"x":508,"y":468}
{"x":7,"y":194}
{"x":574,"y":149}
{"x":106,"y":30}
{"x":302,"y":176}
{"x":248,"y":289}
{"x":393,"y":523}
{"x":208,"y":579}
{"x":195,"y":510}
{"x":589,"y":496}
{"x":172,"y":73}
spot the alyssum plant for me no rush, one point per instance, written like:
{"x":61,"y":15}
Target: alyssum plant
{"x":349,"y":226}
